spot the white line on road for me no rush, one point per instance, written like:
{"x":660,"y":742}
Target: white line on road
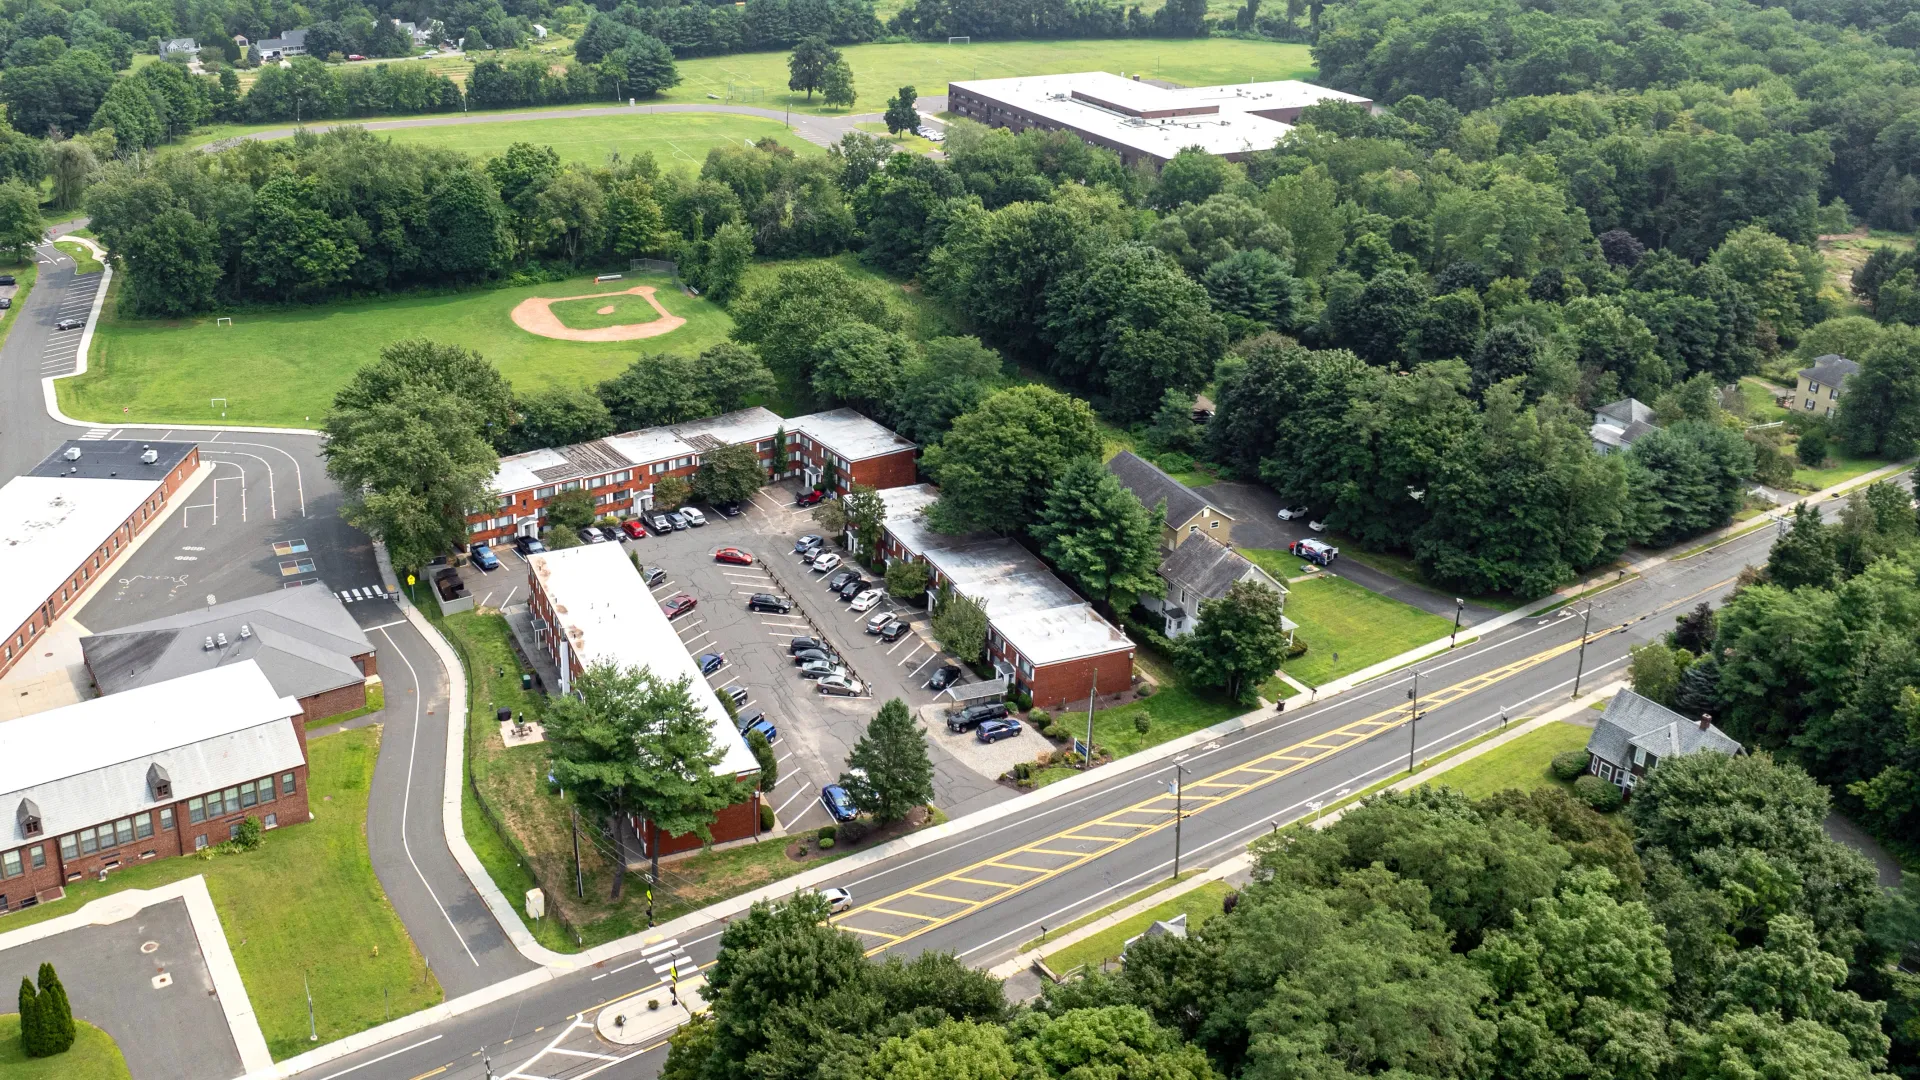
{"x":384,"y":1057}
{"x":915,"y":673}
{"x":790,"y":798}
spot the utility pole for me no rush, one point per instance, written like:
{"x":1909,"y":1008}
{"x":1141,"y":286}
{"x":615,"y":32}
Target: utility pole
{"x":1413,"y":729}
{"x":313,"y":1031}
{"x":1459,"y":606}
{"x":1586,"y":621}
{"x":1092,"y":692}
{"x":1176,"y":788}
{"x":487,"y":1060}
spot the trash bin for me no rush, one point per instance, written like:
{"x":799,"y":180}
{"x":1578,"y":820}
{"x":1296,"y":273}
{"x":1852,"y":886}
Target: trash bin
{"x":503,"y":716}
{"x":526,"y":681}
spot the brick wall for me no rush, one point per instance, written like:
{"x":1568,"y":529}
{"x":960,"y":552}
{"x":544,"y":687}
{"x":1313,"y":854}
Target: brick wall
{"x":1056,"y":685}
{"x":898,"y":469}
{"x":333,"y":702}
{"x":741,"y":821}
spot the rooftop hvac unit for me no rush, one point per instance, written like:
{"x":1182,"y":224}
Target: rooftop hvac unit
{"x":220,"y":640}
{"x":245,"y":631}
{"x":209,"y":645}
{"x":149,"y":456}
{"x":72,"y":453}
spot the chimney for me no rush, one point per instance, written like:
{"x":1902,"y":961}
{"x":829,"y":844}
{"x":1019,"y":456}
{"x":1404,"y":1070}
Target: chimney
{"x":1706,"y":721}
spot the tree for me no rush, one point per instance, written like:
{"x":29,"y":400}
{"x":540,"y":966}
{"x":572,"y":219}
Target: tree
{"x":640,"y":68}
{"x":1133,"y":326}
{"x":1805,"y":554}
{"x":960,"y":625}
{"x":410,"y":439}
{"x":889,"y":772}
{"x":785,"y":318}
{"x":471,"y":234}
{"x":569,"y":510}
{"x":949,"y":378}
{"x":1096,"y":531}
{"x":768,"y":760}
{"x":1687,"y":478}
{"x":908,"y":580}
{"x":1880,"y":416}
{"x":1238,"y":642}
{"x":807,"y":66}
{"x":73,"y":165}
{"x":730,"y":474}
{"x":571,"y":212}
{"x":858,"y":364}
{"x":297,"y":248}
{"x":901,"y":114}
{"x":20,"y":227}
{"x":1253,"y":291}
{"x":836,"y":86}
{"x":561,"y":416}
{"x":671,"y":492}
{"x":998,"y":463}
{"x":866,"y":516}
{"x":1656,"y":670}
{"x":55,"y":1014}
{"x":33,"y":1038}
{"x":627,"y":741}
{"x":1192,"y":175}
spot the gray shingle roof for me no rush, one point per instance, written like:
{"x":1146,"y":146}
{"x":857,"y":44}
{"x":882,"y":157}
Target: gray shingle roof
{"x":1624,"y":412}
{"x":303,"y":639}
{"x":1207,"y":568}
{"x":1831,"y":369}
{"x":1150,"y":485}
{"x":1632,"y":720}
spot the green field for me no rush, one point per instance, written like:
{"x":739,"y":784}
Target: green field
{"x":83,"y":260}
{"x":588,"y":314}
{"x":342,"y":937}
{"x":1198,"y":906}
{"x":1336,"y":616}
{"x":282,"y":366}
{"x":1520,"y":764}
{"x":93,"y":1055}
{"x":676,"y":140}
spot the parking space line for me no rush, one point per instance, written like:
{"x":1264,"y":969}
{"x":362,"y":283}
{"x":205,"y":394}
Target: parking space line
{"x":917,"y":646}
{"x":682,"y":631}
{"x":915,"y":673}
{"x":778,"y":809}
{"x":688,"y":642}
{"x":897,"y":645}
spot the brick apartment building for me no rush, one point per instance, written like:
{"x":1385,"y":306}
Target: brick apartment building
{"x":1040,"y":635}
{"x":589,"y":605}
{"x":620,"y":470}
{"x":70,"y":519}
{"x":303,"y":639}
{"x":154,"y":772}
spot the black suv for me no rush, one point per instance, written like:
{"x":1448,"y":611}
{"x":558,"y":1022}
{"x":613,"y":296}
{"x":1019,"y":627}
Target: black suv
{"x":854,"y":587}
{"x":762,"y":601}
{"x":837,"y":580}
{"x":794,"y":646}
{"x":973,"y":715}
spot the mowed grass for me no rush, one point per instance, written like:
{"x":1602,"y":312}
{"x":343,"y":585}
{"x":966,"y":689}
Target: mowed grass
{"x":1198,"y":906}
{"x":1336,"y":616}
{"x":676,"y":140}
{"x":1176,"y":709}
{"x":83,"y":260}
{"x":282,"y":366}
{"x":339,"y":934}
{"x":1520,"y":764}
{"x":93,"y":1055}
{"x":590,"y":313}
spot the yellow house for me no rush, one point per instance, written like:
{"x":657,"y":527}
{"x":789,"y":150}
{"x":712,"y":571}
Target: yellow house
{"x":1187,"y":513}
{"x":1820,"y":387}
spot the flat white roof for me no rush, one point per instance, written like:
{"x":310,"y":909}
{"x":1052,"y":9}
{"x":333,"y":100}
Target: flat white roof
{"x":849,"y":434}
{"x":1232,"y":129}
{"x":607,"y":613}
{"x":48,"y":525}
{"x":1034,"y":610}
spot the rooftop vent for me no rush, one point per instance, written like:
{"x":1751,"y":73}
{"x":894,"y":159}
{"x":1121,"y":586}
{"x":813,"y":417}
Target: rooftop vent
{"x":72,"y":453}
{"x":220,"y":640}
{"x":245,"y":631}
{"x":149,"y":456}
{"x":208,"y":645}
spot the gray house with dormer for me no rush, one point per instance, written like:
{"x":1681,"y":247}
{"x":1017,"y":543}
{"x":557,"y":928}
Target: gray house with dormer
{"x":1635,"y":734}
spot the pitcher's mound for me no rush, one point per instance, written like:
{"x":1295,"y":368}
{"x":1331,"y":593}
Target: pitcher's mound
{"x":535,"y":316}
{"x":608,"y":310}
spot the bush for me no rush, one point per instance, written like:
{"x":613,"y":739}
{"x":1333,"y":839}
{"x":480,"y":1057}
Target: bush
{"x":1598,"y":793}
{"x":1022,"y":771}
{"x":1812,"y":449}
{"x":1174,"y":461}
{"x":250,"y":834}
{"x":766,"y":817}
{"x":827,"y":831}
{"x":1571,"y":764}
{"x":826,"y":843}
{"x":1145,"y":691}
{"x":1024,"y":700}
{"x":854,"y":831}
{"x":1141,"y":723}
{"x":1040,"y":718}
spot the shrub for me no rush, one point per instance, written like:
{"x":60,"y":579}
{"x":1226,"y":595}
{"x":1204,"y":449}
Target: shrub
{"x":766,"y":817}
{"x":250,"y":834}
{"x":1024,"y":700}
{"x":1145,"y":691}
{"x":854,"y":831}
{"x":1812,"y":449}
{"x":1571,"y":764}
{"x":1598,"y":793}
{"x":826,"y":843}
{"x":1141,"y":723}
{"x":1040,"y":717}
{"x":1174,"y":461}
{"x":827,"y":831}
{"x":1022,"y":771}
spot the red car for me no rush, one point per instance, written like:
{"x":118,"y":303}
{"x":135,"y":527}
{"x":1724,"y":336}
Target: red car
{"x":678,"y":604}
{"x":810,"y":498}
{"x":633,"y":529}
{"x":733,"y":555}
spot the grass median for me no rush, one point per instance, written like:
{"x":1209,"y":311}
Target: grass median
{"x":93,"y":1056}
{"x":1198,"y":906}
{"x":83,"y":260}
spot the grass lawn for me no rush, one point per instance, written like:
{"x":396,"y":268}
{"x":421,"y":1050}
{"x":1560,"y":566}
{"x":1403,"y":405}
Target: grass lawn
{"x":24,"y":276}
{"x":1521,"y":763}
{"x":676,"y":140}
{"x":1176,"y":710}
{"x":1758,"y":394}
{"x":1337,"y":616}
{"x":282,"y":366}
{"x":587,"y":314}
{"x":1198,"y":906}
{"x":1838,"y":469}
{"x":341,"y":934}
{"x":376,"y":700}
{"x":93,"y":1055}
{"x":912,"y":144}
{"x":83,"y":260}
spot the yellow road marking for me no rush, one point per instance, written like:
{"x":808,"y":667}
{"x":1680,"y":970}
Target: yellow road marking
{"x":896,"y":911}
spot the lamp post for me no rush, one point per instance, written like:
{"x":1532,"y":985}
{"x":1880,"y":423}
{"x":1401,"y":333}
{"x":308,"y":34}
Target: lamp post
{"x":1175,"y":787}
{"x":1413,"y":728}
{"x":1586,"y":621}
{"x":1459,"y":606}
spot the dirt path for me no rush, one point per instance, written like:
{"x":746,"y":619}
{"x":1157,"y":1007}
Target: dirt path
{"x":535,"y":316}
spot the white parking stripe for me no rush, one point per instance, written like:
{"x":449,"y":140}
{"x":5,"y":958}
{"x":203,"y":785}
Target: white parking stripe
{"x":915,"y":673}
{"x":916,"y":652}
{"x":777,"y":810}
{"x":683,"y":630}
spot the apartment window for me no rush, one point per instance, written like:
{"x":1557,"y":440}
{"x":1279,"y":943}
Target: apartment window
{"x":37,"y":855}
{"x":166,"y":819}
{"x":233,"y":831}
{"x":620,"y":477}
{"x":286,"y":783}
{"x":272,"y":820}
{"x":233,"y":799}
{"x":543,"y":493}
{"x":266,"y":790}
{"x":196,"y":810}
{"x":503,"y":501}
{"x":122,"y":832}
{"x":200,"y":843}
{"x":477,"y":527}
{"x":10,"y":865}
{"x":69,"y":848}
{"x":89,"y":841}
{"x":246,"y":795}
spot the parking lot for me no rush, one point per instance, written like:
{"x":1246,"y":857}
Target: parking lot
{"x":816,"y":731}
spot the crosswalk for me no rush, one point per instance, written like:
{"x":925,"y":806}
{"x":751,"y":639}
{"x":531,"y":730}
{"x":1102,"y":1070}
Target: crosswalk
{"x":669,"y":960}
{"x":96,"y":434}
{"x":371,"y":592}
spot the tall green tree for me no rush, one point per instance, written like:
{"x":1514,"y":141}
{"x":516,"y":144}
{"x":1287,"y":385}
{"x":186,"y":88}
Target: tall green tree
{"x":1687,"y":478}
{"x":997,"y":464}
{"x":808,"y":64}
{"x":1805,"y":554}
{"x":57,"y":1029}
{"x":1096,"y":532}
{"x":960,"y":625}
{"x":559,"y":416}
{"x":1132,"y":326}
{"x":20,"y":227}
{"x":33,"y":1038}
{"x":836,"y":86}
{"x":730,"y":474}
{"x":1238,"y":641}
{"x":901,"y":114}
{"x":1880,"y":414}
{"x":889,"y":771}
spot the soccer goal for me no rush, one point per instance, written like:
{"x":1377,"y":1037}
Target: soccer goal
{"x":962,"y":40}
{"x":224,"y":320}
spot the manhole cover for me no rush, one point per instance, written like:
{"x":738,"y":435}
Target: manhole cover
{"x":149,"y":946}
{"x":163,"y":980}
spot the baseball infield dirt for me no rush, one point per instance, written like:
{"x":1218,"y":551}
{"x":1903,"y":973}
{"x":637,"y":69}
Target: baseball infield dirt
{"x":535,"y":316}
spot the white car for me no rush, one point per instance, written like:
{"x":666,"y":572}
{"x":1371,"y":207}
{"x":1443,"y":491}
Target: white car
{"x":866,"y":600}
{"x":694,"y":517}
{"x":825,"y":563}
{"x":1317,"y":526}
{"x":1292,"y":512}
{"x":838,"y":900}
{"x":841,"y":685}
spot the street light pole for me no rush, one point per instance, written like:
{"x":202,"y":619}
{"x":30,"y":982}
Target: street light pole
{"x":1413,"y":728}
{"x":1586,"y":621}
{"x":1178,"y":786}
{"x":1459,"y":606}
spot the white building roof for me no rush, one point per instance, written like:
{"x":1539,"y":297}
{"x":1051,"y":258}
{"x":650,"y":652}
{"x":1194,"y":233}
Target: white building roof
{"x":1030,"y":607}
{"x":1106,"y":106}
{"x":849,"y":434}
{"x":607,"y":613}
{"x":86,"y":763}
{"x":48,"y":524}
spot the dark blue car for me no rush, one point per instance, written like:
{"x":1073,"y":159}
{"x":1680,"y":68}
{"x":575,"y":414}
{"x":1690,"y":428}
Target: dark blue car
{"x":995,"y":730}
{"x":483,"y":557}
{"x":764,"y":727}
{"x":838,"y":803}
{"x":711,"y":662}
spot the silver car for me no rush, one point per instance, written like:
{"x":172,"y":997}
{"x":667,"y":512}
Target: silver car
{"x":820,"y":669}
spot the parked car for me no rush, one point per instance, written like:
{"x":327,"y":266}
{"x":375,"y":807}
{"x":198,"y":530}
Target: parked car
{"x":762,"y":725}
{"x":880,"y":622}
{"x":712,"y":662}
{"x":528,"y":545}
{"x":807,"y":543}
{"x":678,"y":604}
{"x":355,"y":56}
{"x":612,"y":534}
{"x":694,"y":517}
{"x":739,"y":694}
{"x":6,"y":279}
{"x":895,"y":630}
{"x":1317,"y":526}
{"x":483,"y":557}
{"x":727,"y":509}
{"x":677,"y":520}
{"x":5,"y":302}
{"x":69,"y":324}
{"x":841,"y":578}
{"x":653,"y":575}
{"x":810,"y":498}
{"x":943,"y":677}
{"x":590,"y":535}
{"x":838,"y":900}
{"x":841,"y":686}
{"x":974,"y":715}
{"x":1314,"y":551}
{"x":633,"y":528}
{"x":808,"y":656}
{"x":994,"y":730}
{"x":799,"y":643}
{"x":820,"y":669}
{"x":658,"y":522}
{"x":839,"y":804}
{"x":748,"y":719}
{"x":1292,"y":512}
{"x":766,"y":601}
{"x":825,"y":563}
{"x":854,"y":588}
{"x":868,"y":598}
{"x":733,"y":555}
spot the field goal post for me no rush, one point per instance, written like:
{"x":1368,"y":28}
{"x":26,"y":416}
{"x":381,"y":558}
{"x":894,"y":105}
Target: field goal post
{"x":224,"y":320}
{"x":963,"y":39}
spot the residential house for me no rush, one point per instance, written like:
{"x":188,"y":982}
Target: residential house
{"x":1820,"y":387}
{"x":184,"y":45}
{"x":289,"y":43}
{"x":1635,"y":734}
{"x":1202,"y":569}
{"x":1617,"y":426}
{"x":1187,"y":513}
